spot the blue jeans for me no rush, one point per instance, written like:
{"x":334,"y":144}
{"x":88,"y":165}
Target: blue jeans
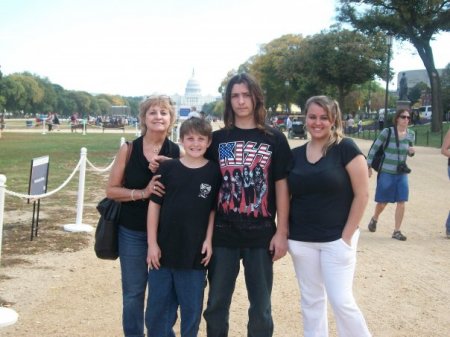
{"x":133,"y":255}
{"x":447,"y":225}
{"x":222,"y":274}
{"x":168,"y":289}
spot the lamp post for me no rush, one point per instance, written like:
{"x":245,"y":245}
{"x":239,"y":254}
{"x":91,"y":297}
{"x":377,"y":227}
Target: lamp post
{"x":286,"y":85}
{"x":389,"y":44}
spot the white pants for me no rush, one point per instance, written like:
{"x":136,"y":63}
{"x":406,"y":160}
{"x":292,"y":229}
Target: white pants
{"x":327,"y":269}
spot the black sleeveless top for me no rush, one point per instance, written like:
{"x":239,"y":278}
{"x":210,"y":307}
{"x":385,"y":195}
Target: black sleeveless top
{"x":133,"y":214}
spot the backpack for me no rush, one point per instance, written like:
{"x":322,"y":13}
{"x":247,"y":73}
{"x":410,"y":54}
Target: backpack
{"x":378,"y":157}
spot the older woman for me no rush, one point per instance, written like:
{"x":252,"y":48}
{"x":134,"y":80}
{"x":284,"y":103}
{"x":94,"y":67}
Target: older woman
{"x":132,"y":184}
{"x":329,"y":193}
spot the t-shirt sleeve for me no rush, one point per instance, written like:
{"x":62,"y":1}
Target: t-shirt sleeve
{"x":348,"y":150}
{"x":282,"y":159}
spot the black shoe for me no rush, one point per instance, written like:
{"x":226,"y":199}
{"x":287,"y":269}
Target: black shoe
{"x":372,"y":225}
{"x":398,"y":236}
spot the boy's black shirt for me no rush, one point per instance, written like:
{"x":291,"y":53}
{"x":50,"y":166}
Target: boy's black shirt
{"x":185,"y":207}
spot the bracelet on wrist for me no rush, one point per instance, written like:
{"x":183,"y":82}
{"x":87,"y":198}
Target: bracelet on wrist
{"x":142,"y":195}
{"x":132,"y":195}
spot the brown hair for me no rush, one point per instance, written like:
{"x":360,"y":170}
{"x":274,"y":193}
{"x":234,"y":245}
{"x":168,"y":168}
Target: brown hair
{"x":196,"y":125}
{"x":257,"y":99}
{"x":398,"y":113}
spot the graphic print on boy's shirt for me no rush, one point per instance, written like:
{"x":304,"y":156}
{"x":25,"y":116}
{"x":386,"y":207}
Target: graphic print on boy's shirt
{"x":244,"y":167}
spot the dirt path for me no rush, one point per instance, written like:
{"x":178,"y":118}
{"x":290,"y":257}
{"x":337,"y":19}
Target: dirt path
{"x":403,"y":288}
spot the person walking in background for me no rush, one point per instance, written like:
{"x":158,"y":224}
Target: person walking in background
{"x":245,"y":230}
{"x":329,"y":189}
{"x":445,"y":150}
{"x":180,"y":228}
{"x":288,"y":125}
{"x":392,"y":179}
{"x":132,"y":185}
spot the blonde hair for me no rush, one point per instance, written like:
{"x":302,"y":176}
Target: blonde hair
{"x":163,"y":101}
{"x":331,"y":107}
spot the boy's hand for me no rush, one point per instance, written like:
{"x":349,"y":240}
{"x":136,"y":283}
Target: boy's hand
{"x":153,"y":256}
{"x":207,"y":251}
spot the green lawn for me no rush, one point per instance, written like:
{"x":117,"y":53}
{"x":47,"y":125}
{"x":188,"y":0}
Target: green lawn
{"x":424,"y":137}
{"x":18,"y":149}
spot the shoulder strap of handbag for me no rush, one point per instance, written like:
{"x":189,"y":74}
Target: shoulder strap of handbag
{"x":387,"y":139}
{"x":129,"y":150}
{"x":397,"y":143}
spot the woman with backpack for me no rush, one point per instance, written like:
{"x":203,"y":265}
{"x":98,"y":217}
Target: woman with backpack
{"x":392,"y":180}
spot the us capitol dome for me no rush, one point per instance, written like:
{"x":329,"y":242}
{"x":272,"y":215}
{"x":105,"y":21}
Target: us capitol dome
{"x":193,"y":97}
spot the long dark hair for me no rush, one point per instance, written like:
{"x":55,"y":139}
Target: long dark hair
{"x":257,"y":99}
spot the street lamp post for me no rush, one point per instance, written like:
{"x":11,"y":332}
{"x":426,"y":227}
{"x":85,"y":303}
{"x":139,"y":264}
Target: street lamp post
{"x":388,"y":67}
{"x":286,"y":84}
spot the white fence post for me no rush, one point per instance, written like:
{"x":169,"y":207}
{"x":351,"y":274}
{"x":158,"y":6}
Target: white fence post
{"x":78,"y":226}
{"x":7,"y":315}
{"x":2,"y":208}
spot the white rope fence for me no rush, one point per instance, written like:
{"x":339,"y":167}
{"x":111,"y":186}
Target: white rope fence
{"x":9,"y":316}
{"x":81,"y":166}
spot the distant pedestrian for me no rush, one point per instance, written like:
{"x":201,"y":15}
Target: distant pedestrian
{"x":445,"y":150}
{"x":392,"y":179}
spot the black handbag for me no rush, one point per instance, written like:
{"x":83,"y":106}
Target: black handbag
{"x":378,"y":157}
{"x":106,"y":244}
{"x":106,"y":235}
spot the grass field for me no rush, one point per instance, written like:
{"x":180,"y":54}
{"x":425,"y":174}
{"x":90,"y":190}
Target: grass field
{"x":17,"y":149}
{"x":424,"y":137}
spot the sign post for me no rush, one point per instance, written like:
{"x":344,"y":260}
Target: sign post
{"x":37,"y":185}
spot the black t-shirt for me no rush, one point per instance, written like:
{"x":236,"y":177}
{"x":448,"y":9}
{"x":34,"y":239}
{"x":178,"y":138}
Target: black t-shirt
{"x":250,"y":160}
{"x":185,"y":208}
{"x":321,"y":193}
{"x":133,"y":214}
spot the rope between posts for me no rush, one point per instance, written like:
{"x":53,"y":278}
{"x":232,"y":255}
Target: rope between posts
{"x":100,"y":170}
{"x":40,"y":196}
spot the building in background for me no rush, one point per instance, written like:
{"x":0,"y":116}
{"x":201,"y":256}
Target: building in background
{"x":192,"y":98}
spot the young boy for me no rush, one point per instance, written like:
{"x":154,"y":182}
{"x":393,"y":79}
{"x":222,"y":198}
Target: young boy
{"x":179,"y":229}
{"x":245,"y":228}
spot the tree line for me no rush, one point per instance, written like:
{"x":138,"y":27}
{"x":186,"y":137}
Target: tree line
{"x":25,"y":94}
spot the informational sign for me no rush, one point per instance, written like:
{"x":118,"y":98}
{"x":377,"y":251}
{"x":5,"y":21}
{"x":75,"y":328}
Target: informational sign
{"x":38,"y":175}
{"x":184,"y":112}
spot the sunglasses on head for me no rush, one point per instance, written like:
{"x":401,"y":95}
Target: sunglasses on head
{"x":404,"y":117}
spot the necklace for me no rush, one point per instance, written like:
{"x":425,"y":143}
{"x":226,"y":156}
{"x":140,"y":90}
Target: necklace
{"x":156,"y":149}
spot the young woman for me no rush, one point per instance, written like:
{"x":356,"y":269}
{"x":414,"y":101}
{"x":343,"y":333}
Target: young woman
{"x":329,"y":193}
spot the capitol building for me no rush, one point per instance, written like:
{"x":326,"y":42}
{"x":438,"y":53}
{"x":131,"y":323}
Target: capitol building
{"x":192,"y":98}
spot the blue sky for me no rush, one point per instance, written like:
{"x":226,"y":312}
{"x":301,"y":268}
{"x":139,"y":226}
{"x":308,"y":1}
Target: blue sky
{"x":139,"y":47}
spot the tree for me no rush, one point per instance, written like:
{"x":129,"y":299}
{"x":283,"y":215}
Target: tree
{"x":415,"y":93}
{"x":273,"y":66}
{"x":340,"y":59}
{"x":446,"y":92}
{"x":413,"y":21}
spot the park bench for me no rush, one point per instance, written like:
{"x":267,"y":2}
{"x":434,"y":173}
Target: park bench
{"x":75,"y":127}
{"x":113,"y":126}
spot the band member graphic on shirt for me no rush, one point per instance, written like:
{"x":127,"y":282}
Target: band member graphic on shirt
{"x":225,"y":192}
{"x":237,"y":189}
{"x":249,"y":189}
